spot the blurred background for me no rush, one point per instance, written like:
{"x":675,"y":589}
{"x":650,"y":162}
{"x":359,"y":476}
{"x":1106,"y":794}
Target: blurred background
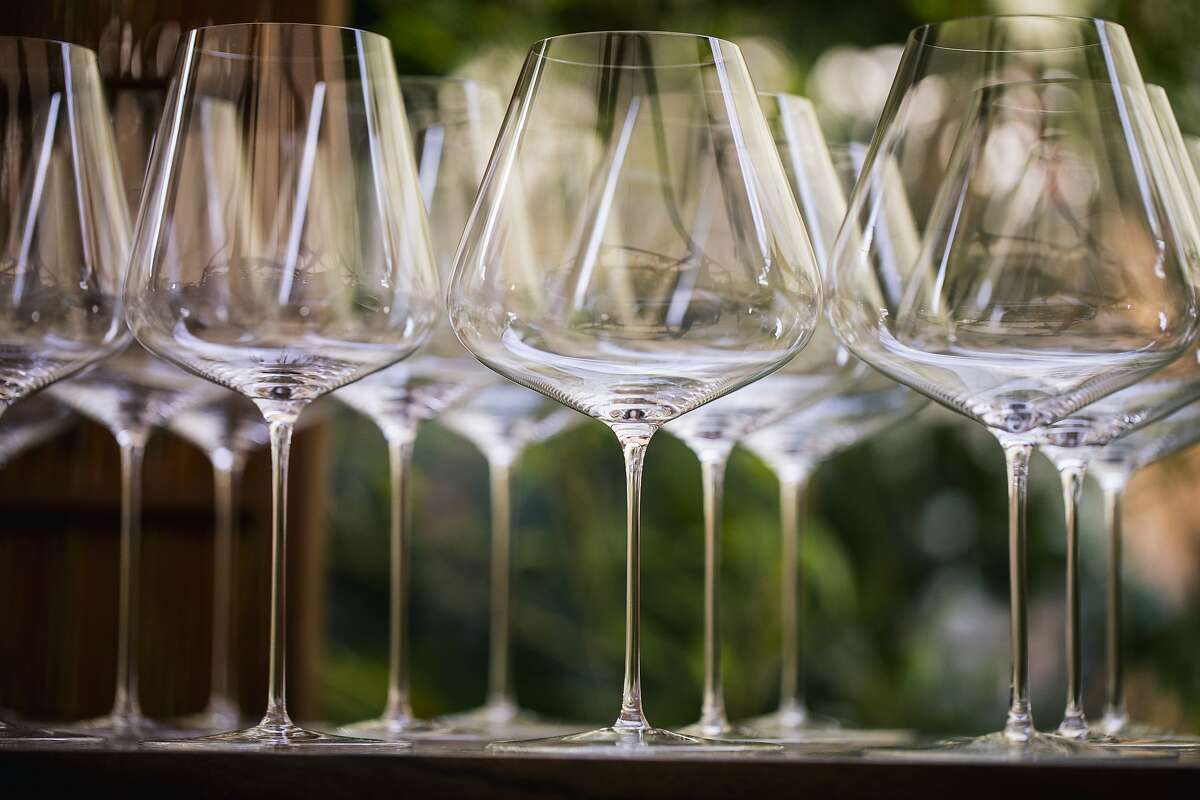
{"x":904,"y":555}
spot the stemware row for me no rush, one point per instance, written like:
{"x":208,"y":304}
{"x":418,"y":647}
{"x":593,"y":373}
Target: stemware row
{"x":650,"y":243}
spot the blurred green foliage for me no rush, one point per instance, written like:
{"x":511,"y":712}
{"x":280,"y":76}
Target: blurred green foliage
{"x":905,"y":553}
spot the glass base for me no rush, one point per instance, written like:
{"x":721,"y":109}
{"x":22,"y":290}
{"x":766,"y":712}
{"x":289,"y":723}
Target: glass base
{"x":629,"y":742}
{"x":792,"y":726}
{"x":214,"y":719}
{"x":1169,"y":742}
{"x":124,"y":728}
{"x":723,"y":731}
{"x":20,"y":736}
{"x":273,"y":736}
{"x":998,"y":747}
{"x":504,"y":720}
{"x":405,"y":728}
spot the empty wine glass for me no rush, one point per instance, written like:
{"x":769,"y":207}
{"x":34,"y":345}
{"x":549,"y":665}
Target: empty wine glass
{"x":65,"y":229}
{"x":285,"y":255}
{"x":661,"y":265}
{"x":823,"y":367}
{"x":502,"y":421}
{"x":453,"y":124}
{"x":131,"y":394}
{"x":1055,"y":261}
{"x":227,"y":429}
{"x":1112,"y":469}
{"x":1072,"y":443}
{"x":794,"y":447}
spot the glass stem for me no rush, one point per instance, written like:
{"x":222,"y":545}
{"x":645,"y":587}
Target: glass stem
{"x":712,"y":709}
{"x":1074,"y":724}
{"x":500,"y":686}
{"x":132,"y":444}
{"x":793,"y":490}
{"x":1019,"y":726}
{"x":1115,"y":715}
{"x":281,"y":418}
{"x":227,"y":475}
{"x":632,"y":717}
{"x":400,"y":447}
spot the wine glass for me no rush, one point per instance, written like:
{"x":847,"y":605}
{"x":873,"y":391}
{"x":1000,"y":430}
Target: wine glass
{"x":453,"y":124}
{"x":295,"y":262}
{"x":794,"y":447}
{"x":665,"y":264}
{"x":131,"y":394}
{"x":65,"y":228}
{"x":823,"y":367}
{"x":1072,"y":443}
{"x":1112,"y":469}
{"x":502,"y":420}
{"x":227,"y":429}
{"x":30,"y":422}
{"x":1056,"y":253}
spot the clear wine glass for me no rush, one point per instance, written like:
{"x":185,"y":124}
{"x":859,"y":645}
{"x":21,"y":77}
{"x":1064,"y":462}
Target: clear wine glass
{"x":65,"y":229}
{"x":1056,"y":252}
{"x":312,"y":266}
{"x":502,"y":421}
{"x":821,"y":369}
{"x":227,"y":429}
{"x":660,"y":266}
{"x":453,"y":124}
{"x":794,"y":447}
{"x":1072,"y":443}
{"x":30,"y":422}
{"x":1112,"y":469}
{"x":132,"y":394}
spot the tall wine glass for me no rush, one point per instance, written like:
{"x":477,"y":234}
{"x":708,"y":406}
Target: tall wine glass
{"x":313,"y":268}
{"x":1113,"y":468}
{"x":1056,"y":252}
{"x":64,"y":227}
{"x":453,"y":123}
{"x":794,"y":447}
{"x":820,"y":370}
{"x":502,"y":421}
{"x":227,"y":429}
{"x":132,"y":394}
{"x":666,"y":264}
{"x":1072,"y":443}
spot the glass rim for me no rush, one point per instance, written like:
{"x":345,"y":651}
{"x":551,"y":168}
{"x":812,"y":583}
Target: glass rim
{"x":918,"y":35}
{"x":365,"y":35}
{"x":538,"y":48}
{"x":48,"y":41}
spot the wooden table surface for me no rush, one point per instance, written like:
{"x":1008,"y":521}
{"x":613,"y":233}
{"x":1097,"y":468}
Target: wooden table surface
{"x":432,"y":771}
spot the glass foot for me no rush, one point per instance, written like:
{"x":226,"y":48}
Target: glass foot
{"x":12,"y":735}
{"x":629,"y":742}
{"x":998,"y":747}
{"x":1170,"y":742}
{"x":124,"y":728}
{"x":722,"y":730}
{"x":495,"y":721}
{"x":212,"y":720}
{"x":403,"y":729}
{"x":791,"y":726}
{"x":278,"y":737}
